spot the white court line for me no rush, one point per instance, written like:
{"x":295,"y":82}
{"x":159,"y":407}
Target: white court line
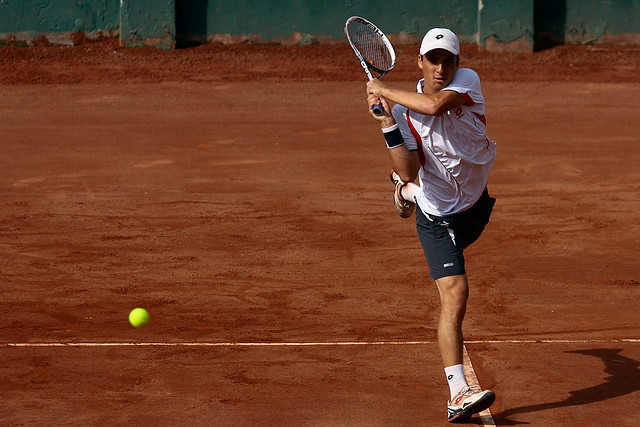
{"x":470,"y":375}
{"x":557,"y":341}
{"x":307,"y":344}
{"x":485,"y":416}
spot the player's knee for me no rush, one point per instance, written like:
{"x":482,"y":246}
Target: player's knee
{"x":455,"y":305}
{"x":454,"y":293}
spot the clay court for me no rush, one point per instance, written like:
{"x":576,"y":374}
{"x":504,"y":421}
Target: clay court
{"x":240,"y":193}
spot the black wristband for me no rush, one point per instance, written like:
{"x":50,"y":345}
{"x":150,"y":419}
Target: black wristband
{"x":393,"y":138}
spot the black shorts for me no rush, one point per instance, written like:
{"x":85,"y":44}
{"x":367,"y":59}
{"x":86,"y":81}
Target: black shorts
{"x":443,"y":239}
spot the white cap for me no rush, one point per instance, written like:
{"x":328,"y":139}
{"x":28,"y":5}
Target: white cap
{"x":440,"y":38}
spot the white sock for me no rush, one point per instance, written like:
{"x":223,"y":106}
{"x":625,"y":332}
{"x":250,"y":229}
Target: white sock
{"x":410,"y":191}
{"x":455,"y":378}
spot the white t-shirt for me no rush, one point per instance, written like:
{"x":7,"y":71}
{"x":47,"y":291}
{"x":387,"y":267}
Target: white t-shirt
{"x":455,"y":153}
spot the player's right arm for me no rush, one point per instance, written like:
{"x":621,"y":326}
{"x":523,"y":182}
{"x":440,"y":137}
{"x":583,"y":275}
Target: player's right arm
{"x":404,"y":161}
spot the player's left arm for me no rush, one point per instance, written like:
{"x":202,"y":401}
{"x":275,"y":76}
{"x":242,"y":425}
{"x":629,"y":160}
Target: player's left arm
{"x":432,"y":104}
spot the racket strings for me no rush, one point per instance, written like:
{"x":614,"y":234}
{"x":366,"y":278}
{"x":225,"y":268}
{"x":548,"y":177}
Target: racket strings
{"x":370,"y":45}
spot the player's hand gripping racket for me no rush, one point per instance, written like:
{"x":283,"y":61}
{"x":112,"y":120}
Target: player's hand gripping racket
{"x":372,"y":47}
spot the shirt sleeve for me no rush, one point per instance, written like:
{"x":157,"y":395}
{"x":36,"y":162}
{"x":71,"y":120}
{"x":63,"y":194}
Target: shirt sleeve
{"x":467,"y":83}
{"x":399,"y":113}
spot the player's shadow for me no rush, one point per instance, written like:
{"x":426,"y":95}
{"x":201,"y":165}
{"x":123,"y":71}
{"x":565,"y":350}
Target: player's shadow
{"x":624,"y":378}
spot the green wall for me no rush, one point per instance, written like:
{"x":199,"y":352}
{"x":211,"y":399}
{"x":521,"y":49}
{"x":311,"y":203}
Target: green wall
{"x":27,"y":19}
{"x":148,"y":23}
{"x":602,"y":21}
{"x":324,"y":19}
{"x":506,"y":25}
{"x":497,"y":25}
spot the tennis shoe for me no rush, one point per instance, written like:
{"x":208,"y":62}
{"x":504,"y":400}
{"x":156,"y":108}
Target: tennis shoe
{"x":469,"y":401}
{"x":404,"y":207}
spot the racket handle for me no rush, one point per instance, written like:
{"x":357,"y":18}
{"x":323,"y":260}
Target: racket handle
{"x":377,"y":110}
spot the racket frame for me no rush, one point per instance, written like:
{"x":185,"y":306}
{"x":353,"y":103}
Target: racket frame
{"x":367,"y":67}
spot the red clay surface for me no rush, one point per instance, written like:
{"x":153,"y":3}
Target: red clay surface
{"x":241,"y":195}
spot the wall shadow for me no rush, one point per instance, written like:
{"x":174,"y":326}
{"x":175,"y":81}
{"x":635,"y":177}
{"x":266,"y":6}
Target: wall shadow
{"x":624,"y":378}
{"x":191,"y":23}
{"x":549,"y":23}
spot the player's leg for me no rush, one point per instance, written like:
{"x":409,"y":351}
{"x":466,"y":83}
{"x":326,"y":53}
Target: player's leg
{"x":454,"y":292}
{"x":446,"y":262}
{"x":465,"y":401}
{"x":410,"y":191}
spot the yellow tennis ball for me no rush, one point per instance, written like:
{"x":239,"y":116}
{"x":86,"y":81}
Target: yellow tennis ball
{"x":138,"y":317}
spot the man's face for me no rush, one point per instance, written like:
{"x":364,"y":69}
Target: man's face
{"x":438,"y":67}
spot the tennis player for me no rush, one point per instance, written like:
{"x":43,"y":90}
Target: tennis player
{"x":437,"y":135}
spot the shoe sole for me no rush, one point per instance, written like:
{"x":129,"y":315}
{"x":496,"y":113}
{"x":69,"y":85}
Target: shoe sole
{"x":401,"y":211}
{"x":483,"y":403}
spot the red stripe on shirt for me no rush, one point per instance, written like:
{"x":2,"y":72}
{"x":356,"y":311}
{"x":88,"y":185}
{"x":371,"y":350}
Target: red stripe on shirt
{"x":416,"y":135}
{"x":470,"y":102}
{"x":467,"y":99}
{"x":482,"y":118}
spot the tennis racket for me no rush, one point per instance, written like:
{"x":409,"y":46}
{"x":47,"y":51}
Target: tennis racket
{"x":373,"y":49}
